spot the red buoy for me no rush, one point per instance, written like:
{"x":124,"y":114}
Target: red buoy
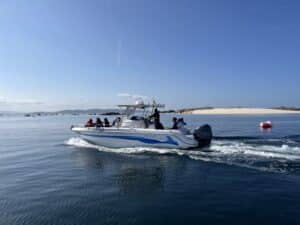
{"x":266,"y":124}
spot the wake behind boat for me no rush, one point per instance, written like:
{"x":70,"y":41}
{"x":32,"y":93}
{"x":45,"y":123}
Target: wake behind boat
{"x":136,"y":129}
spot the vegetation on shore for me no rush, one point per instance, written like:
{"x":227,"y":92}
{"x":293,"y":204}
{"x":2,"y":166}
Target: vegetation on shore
{"x":287,"y":108}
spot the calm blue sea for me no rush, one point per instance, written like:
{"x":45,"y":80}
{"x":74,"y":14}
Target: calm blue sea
{"x":247,"y":176}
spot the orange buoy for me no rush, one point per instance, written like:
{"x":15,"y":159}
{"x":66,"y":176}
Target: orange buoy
{"x":266,"y":124}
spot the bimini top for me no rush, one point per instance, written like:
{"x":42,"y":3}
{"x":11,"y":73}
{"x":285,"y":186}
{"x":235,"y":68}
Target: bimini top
{"x":139,"y":104}
{"x":142,"y":105}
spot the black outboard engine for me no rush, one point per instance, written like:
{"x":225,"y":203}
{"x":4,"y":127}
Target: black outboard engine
{"x":203,"y":135}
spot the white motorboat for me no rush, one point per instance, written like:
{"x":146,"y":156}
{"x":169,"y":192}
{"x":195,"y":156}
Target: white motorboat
{"x":135,"y":130}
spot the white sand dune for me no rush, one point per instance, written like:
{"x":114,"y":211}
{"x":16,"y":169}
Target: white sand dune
{"x":236,"y":111}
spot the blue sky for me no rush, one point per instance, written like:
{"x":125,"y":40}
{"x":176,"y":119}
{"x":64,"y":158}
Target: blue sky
{"x":58,"y":54}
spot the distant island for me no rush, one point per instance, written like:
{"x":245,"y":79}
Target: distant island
{"x":76,"y":112}
{"x":111,"y":114}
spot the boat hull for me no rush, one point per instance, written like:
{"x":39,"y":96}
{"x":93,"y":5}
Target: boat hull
{"x":136,"y":137}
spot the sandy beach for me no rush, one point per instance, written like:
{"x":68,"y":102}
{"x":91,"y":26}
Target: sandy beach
{"x":239,"y":111}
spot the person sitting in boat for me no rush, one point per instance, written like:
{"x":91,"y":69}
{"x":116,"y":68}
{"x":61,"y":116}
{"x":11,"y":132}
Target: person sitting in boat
{"x":98,"y":122}
{"x":181,"y":126}
{"x":156,"y":117}
{"x":174,"y":127}
{"x":106,"y":122}
{"x":117,"y":122}
{"x":89,"y":123}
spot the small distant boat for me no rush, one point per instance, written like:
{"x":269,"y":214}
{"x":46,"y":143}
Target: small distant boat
{"x":266,"y":124}
{"x":135,"y":131}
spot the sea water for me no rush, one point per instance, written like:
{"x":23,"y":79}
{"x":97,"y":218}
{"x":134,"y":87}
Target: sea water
{"x":247,"y":175}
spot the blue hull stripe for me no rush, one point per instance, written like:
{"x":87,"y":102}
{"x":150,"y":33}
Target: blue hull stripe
{"x":136,"y":138}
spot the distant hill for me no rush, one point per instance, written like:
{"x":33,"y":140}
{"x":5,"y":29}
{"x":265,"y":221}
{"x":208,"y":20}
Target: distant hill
{"x":10,"y":113}
{"x":89,"y":111}
{"x":95,"y":111}
{"x":78,"y":112}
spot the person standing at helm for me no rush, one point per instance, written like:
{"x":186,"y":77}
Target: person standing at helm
{"x":156,"y":117}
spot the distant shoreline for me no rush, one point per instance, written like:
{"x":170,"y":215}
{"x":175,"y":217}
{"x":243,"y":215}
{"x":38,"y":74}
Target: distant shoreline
{"x":239,"y":111}
{"x":196,"y":111}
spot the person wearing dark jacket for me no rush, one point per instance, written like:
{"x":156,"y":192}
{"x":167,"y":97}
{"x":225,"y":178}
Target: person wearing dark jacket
{"x":175,"y":127}
{"x":98,"y":122}
{"x":106,"y":122}
{"x":156,"y":117}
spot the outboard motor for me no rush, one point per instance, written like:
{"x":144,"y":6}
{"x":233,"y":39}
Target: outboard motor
{"x":203,"y":135}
